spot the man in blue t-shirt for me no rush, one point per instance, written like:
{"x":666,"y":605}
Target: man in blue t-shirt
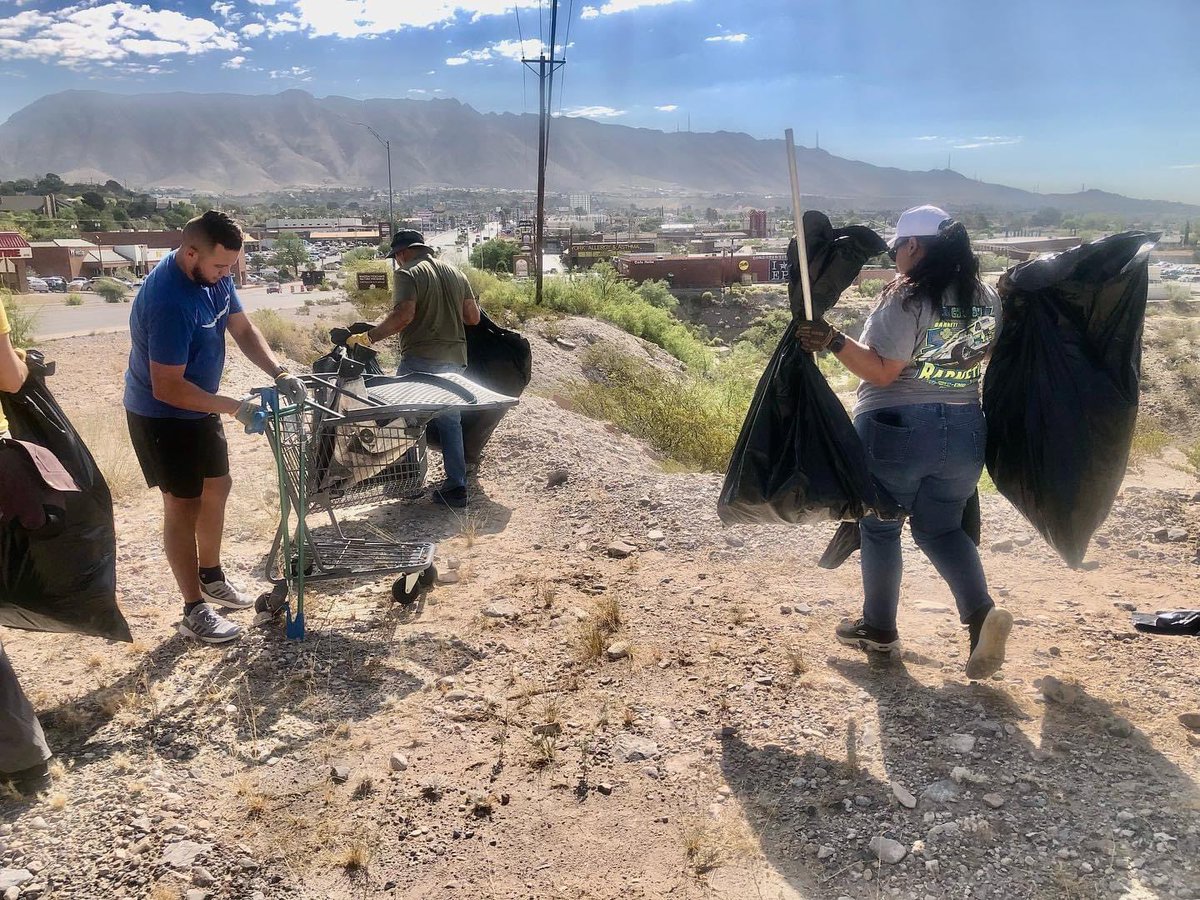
{"x":177,"y":326}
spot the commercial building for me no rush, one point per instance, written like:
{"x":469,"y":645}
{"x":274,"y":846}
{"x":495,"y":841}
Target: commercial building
{"x":758,"y":223}
{"x":15,"y":255}
{"x":711,"y":271}
{"x":43,"y":206}
{"x":305,"y":226}
{"x":585,"y":254}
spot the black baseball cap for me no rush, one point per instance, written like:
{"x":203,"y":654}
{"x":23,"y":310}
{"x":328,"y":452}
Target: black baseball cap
{"x":406,"y":238}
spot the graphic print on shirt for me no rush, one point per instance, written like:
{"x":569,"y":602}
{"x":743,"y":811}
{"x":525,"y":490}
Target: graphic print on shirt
{"x":953,"y":351}
{"x":219,"y":316}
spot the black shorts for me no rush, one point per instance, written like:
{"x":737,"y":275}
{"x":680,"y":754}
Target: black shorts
{"x":176,"y":455}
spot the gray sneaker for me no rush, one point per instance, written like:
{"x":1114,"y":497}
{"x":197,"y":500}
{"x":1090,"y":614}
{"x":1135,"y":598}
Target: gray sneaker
{"x":204,"y":624}
{"x":225,"y":595}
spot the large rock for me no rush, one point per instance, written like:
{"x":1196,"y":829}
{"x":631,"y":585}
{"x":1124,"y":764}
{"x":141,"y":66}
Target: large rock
{"x":888,"y":851}
{"x":182,"y":854}
{"x":631,"y":748}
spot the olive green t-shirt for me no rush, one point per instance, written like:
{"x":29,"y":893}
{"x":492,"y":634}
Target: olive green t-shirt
{"x":436,"y":331}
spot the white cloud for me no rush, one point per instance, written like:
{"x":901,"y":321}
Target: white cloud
{"x":295,"y":73}
{"x":1186,"y":166}
{"x":988,"y":140}
{"x":593,"y":112}
{"x":670,"y":107}
{"x":253,"y":30}
{"x":728,"y":38}
{"x":514,"y":50}
{"x":109,"y":35}
{"x":235,"y":62}
{"x":927,"y":137}
{"x":431,"y":72}
{"x":368,"y":18}
{"x":620,"y":6}
{"x":284,"y":23}
{"x":225,"y":10}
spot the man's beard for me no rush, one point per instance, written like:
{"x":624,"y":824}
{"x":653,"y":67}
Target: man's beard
{"x":198,"y":277}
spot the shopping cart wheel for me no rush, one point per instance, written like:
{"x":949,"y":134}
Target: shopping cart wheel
{"x":271,"y":605}
{"x":406,"y":588}
{"x":308,"y":568}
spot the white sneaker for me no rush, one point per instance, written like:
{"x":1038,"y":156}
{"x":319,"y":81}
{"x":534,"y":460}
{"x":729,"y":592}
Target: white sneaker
{"x":204,"y":624}
{"x":225,"y":595}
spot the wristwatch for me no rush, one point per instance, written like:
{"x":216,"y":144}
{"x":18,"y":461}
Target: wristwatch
{"x":837,"y":342}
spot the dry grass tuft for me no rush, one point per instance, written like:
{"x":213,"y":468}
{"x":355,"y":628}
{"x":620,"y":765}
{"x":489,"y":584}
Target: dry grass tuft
{"x":354,"y":858}
{"x":703,"y":849}
{"x":797,"y":664}
{"x":107,"y":438}
{"x":364,"y":789}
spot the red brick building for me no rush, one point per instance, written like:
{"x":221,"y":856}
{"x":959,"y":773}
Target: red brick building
{"x":706,"y":272}
{"x":15,"y":254}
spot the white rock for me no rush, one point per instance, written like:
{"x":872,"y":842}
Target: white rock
{"x":398,"y":762}
{"x":182,"y":854}
{"x":902,"y":794}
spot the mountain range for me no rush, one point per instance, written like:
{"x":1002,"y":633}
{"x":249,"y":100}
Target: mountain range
{"x":241,"y":143}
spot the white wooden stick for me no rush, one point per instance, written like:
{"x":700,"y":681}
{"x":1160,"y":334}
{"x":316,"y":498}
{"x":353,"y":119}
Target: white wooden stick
{"x":798,"y":215}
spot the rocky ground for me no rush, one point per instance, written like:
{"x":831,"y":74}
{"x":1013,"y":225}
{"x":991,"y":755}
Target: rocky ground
{"x":612,"y":695}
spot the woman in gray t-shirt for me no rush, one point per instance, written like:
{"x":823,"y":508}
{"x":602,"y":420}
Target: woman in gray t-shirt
{"x":921,"y":423}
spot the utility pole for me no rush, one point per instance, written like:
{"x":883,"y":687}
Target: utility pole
{"x":387,"y":145}
{"x":545,"y":72}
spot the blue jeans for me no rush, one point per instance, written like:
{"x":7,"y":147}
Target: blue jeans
{"x":449,"y":424}
{"x":929,"y":458}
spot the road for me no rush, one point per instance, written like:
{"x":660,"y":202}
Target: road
{"x":57,"y":320}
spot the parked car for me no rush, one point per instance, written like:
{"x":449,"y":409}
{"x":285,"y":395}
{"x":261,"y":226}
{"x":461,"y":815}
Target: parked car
{"x":56,"y":283}
{"x":274,"y":288}
{"x":38,"y":286}
{"x":79,"y":284}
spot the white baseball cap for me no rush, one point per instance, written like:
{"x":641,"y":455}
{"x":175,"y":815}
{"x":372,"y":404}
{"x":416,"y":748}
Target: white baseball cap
{"x":920,"y":221}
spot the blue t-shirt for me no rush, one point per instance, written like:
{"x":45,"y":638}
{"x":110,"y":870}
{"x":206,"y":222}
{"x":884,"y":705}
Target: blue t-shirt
{"x":176,"y":322}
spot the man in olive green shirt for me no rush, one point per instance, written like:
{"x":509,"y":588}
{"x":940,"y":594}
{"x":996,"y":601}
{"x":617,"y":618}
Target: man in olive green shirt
{"x":432,"y":305}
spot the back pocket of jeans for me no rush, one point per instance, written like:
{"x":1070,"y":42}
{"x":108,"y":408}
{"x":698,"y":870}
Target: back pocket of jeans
{"x":888,"y":443}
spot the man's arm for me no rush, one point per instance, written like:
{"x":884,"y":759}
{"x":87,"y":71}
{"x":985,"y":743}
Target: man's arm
{"x":394,"y":322}
{"x":252,"y":344}
{"x":470,"y":306}
{"x":170,"y":387}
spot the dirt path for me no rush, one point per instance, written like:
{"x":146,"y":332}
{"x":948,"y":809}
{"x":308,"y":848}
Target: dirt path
{"x":491,"y":748}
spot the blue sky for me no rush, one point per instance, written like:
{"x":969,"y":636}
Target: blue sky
{"x":1039,"y":94}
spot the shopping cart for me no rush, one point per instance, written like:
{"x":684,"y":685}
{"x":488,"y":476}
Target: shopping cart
{"x":357,"y":441}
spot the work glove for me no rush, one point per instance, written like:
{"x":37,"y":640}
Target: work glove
{"x":815,"y":336}
{"x":339,"y":336}
{"x":358,"y":340}
{"x":291,"y":387}
{"x":245,"y":412}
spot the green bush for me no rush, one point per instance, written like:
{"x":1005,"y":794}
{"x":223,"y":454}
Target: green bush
{"x":20,"y":319}
{"x":111,"y":291}
{"x":694,"y":420}
{"x":73,"y":299}
{"x":1192,"y":455}
{"x":304,"y":344}
{"x":1176,"y":292}
{"x":872,"y":287}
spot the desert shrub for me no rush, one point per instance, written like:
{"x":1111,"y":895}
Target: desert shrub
{"x":21,"y":319}
{"x":302,"y":343}
{"x":73,"y":299}
{"x":111,"y":291}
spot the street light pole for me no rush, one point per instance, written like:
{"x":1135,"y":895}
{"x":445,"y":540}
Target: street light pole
{"x":387,"y":145}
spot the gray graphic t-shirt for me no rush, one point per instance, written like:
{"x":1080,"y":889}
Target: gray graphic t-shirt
{"x":945,"y":348}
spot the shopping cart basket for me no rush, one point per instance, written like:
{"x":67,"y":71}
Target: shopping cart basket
{"x":357,"y":441}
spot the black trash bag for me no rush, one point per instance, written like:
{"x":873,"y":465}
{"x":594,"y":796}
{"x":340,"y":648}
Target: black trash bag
{"x":1061,"y":392}
{"x":798,"y":457}
{"x":498,"y":359}
{"x":65,"y":582}
{"x":835,"y":257}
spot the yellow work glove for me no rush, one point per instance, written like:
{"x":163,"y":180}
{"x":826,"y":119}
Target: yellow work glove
{"x":358,"y":340}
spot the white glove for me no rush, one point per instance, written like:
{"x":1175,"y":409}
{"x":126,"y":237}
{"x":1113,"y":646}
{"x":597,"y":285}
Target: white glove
{"x":245,"y":412}
{"x":291,"y":387}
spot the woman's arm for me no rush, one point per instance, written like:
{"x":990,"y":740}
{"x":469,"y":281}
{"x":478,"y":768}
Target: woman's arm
{"x":12,"y":368}
{"x":860,"y":359}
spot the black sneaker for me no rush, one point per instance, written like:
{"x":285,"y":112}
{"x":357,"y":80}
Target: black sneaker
{"x":455,"y":497}
{"x":861,"y":635}
{"x":989,"y":630}
{"x":28,"y":782}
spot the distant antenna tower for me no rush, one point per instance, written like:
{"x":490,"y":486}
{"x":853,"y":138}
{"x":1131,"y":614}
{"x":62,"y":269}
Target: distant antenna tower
{"x":689,"y":123}
{"x":818,"y":139}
